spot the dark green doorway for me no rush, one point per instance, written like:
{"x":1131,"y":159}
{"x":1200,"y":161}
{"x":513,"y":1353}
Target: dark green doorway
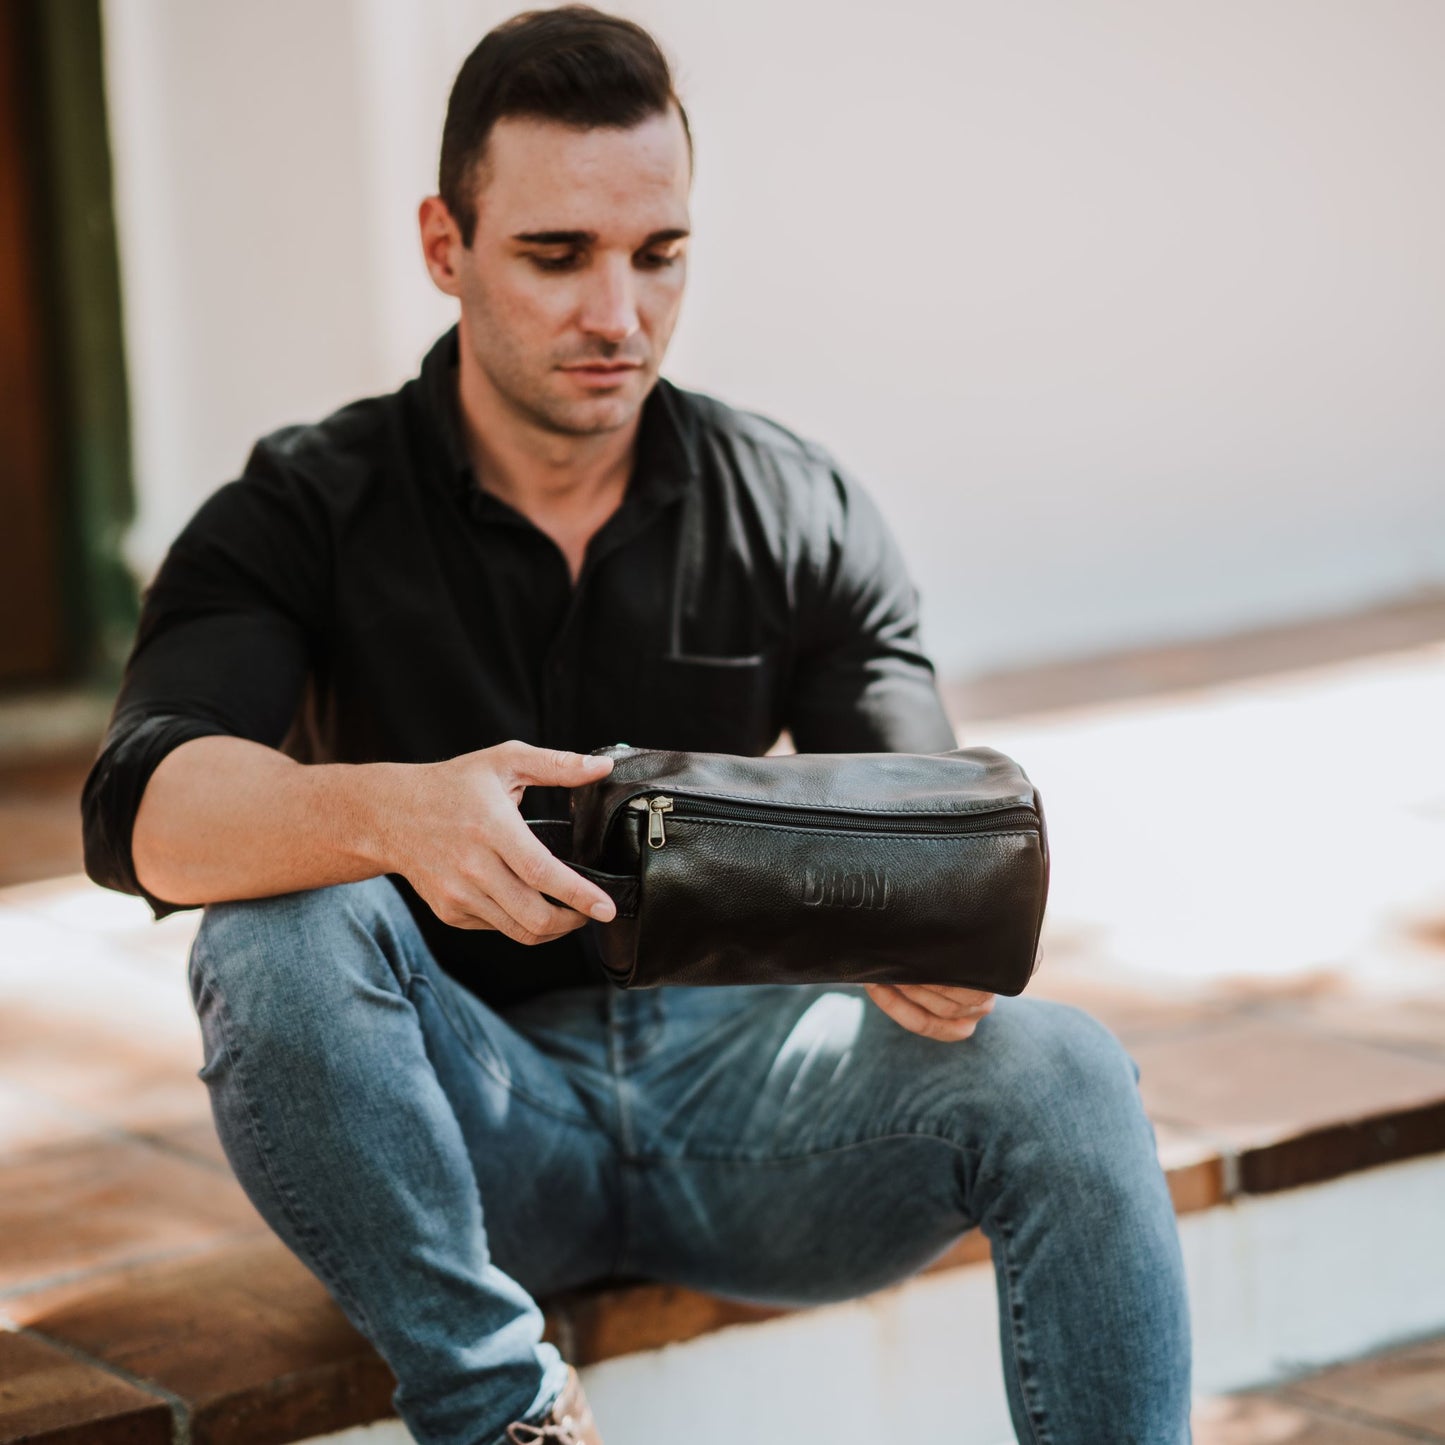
{"x":67,"y":602}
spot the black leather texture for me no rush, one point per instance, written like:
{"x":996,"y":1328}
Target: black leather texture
{"x":812,"y":867}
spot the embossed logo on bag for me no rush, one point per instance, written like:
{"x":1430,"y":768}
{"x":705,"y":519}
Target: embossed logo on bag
{"x":832,"y":888}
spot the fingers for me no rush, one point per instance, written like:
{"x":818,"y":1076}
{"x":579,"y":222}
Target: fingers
{"x":550,"y":767}
{"x":504,"y":886}
{"x":540,"y":871}
{"x":492,"y":871}
{"x":949,"y":1003}
{"x":501,"y":900}
{"x":905,"y":1011}
{"x":508,"y":892}
{"x":481,"y":911}
{"x":536,"y":918}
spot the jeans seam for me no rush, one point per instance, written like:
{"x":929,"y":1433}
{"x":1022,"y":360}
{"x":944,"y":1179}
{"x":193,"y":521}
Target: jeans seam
{"x":582,"y":1120}
{"x":626,"y":1138}
{"x":1038,"y":1428}
{"x":967,"y":1150}
{"x":281,"y":1190}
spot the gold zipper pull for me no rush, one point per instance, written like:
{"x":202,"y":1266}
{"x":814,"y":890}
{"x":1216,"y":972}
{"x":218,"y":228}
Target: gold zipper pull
{"x":656,"y":807}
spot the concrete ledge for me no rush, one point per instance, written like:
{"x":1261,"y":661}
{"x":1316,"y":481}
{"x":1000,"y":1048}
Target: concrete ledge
{"x":239,"y":1345}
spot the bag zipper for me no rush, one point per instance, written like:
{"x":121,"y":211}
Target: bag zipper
{"x":1004,"y":820}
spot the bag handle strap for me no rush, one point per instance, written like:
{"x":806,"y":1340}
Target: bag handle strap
{"x":555,"y":835}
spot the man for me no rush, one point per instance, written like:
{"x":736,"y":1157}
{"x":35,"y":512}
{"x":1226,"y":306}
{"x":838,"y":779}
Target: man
{"x":399,"y":633}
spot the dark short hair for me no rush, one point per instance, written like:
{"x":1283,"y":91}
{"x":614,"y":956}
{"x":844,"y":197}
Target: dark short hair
{"x":573,"y":64}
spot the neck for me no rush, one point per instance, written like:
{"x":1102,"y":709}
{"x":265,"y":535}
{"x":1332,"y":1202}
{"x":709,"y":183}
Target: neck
{"x":530,"y":467}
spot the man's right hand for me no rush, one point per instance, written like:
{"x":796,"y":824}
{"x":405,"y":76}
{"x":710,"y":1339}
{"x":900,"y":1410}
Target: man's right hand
{"x":454,"y":831}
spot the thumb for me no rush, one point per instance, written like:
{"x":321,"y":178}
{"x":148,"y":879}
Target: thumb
{"x":555,"y":767}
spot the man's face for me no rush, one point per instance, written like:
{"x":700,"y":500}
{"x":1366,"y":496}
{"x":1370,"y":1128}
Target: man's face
{"x":579,"y":256}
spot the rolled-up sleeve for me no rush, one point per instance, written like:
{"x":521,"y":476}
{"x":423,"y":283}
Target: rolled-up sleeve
{"x":229,"y":630}
{"x":861,"y":682}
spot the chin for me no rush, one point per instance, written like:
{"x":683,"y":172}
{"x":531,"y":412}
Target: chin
{"x":588,"y":415}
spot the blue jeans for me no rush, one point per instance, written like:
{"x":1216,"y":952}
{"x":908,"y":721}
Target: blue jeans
{"x":439,"y":1165}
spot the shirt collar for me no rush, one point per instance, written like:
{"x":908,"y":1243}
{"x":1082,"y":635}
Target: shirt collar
{"x":667,"y":444}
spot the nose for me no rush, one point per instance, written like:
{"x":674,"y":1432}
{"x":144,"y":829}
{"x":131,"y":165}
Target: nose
{"x":609,"y":308}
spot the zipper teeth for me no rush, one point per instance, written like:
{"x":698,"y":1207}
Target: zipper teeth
{"x":1004,"y":819}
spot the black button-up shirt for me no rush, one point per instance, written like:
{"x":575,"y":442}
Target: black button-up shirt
{"x":355,"y":596}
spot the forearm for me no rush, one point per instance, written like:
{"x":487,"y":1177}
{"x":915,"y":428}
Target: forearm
{"x":225,"y":818}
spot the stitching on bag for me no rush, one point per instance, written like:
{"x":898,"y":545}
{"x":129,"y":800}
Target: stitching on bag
{"x":843,"y":832}
{"x":684,"y":791}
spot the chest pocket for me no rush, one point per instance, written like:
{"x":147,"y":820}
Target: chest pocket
{"x":712,"y":704}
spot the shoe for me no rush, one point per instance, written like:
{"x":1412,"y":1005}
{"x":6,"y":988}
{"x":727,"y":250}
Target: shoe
{"x":568,"y":1422}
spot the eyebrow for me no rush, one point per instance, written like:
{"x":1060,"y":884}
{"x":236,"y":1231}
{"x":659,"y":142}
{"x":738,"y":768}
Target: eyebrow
{"x":586,"y":238}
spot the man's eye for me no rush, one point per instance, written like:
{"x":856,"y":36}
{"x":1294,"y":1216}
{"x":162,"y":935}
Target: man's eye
{"x":650,"y":260}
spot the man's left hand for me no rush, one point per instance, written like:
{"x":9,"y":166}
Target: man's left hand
{"x":932,"y":1010}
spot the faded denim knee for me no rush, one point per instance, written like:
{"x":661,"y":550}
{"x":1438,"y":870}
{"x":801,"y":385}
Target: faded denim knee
{"x":286,"y":969}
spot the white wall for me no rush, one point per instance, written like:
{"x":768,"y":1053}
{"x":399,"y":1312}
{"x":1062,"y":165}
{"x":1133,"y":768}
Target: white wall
{"x":1132,"y":316}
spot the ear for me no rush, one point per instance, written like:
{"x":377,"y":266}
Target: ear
{"x":441,"y":244}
